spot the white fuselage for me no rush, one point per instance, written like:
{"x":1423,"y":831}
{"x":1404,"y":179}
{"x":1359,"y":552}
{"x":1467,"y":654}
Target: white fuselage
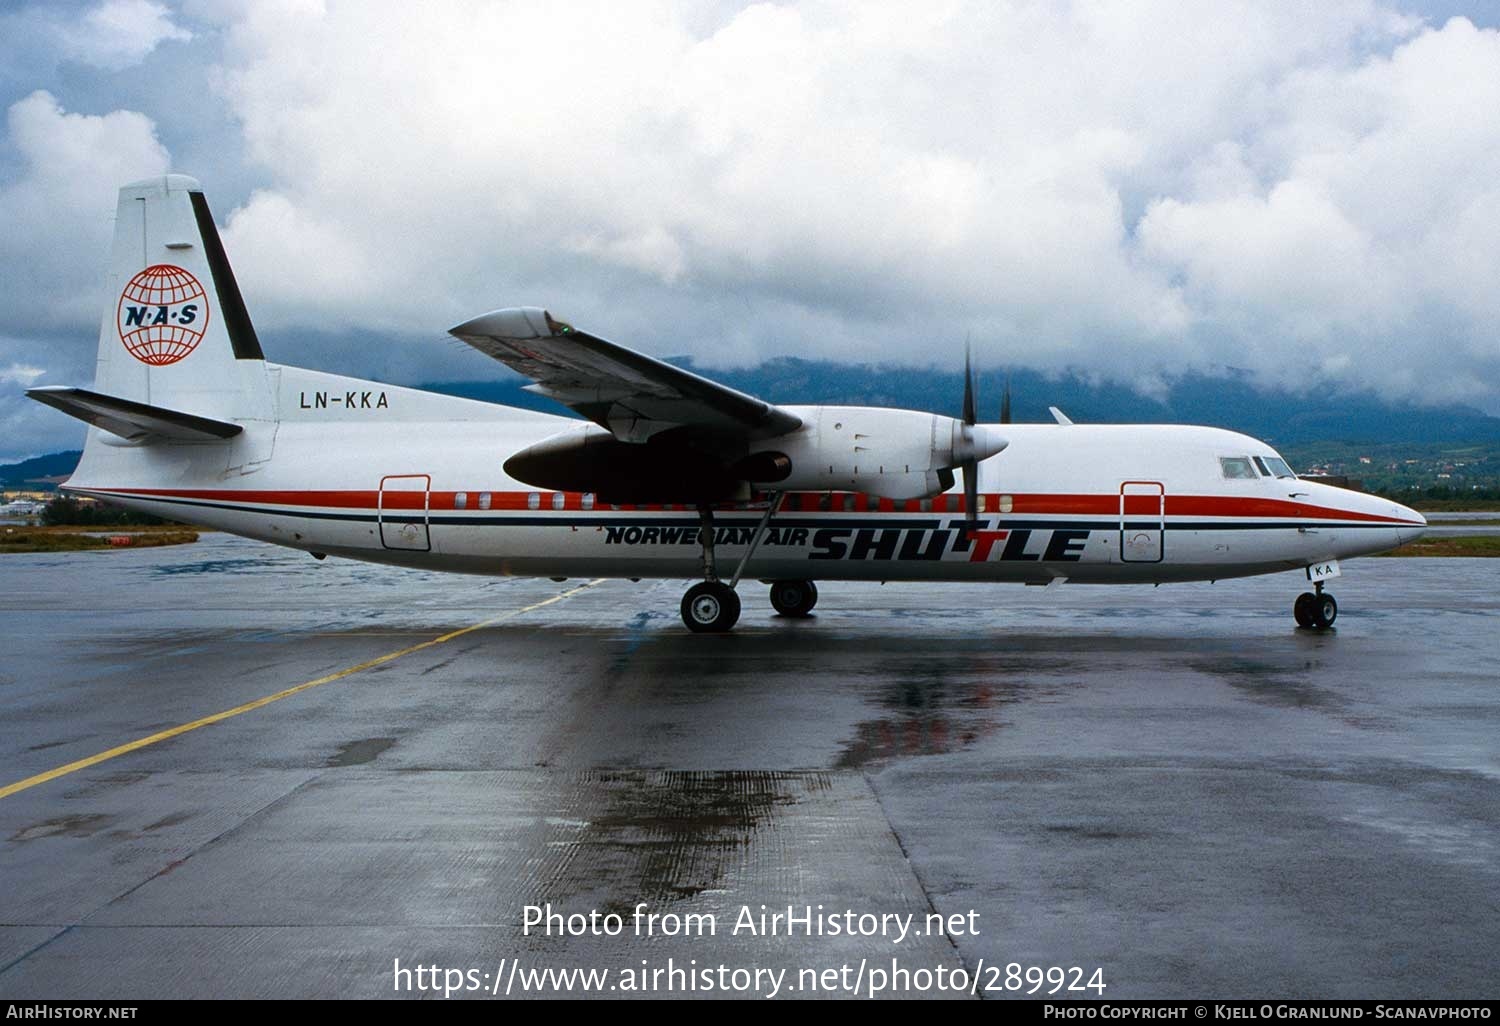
{"x":376,"y":472}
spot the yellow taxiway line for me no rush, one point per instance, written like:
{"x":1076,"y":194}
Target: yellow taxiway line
{"x":219,"y":717}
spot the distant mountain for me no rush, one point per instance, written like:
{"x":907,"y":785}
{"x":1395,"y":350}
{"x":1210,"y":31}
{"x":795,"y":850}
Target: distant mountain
{"x":1279,"y":417}
{"x":28,"y":473}
{"x":1282,"y":418}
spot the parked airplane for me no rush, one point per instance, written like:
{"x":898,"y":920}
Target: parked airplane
{"x":670,"y":474}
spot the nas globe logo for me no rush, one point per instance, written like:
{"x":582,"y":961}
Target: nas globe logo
{"x":162,"y":315}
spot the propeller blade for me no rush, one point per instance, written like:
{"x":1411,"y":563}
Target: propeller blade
{"x":971,"y":415}
{"x":971,"y":493}
{"x":971,"y":465}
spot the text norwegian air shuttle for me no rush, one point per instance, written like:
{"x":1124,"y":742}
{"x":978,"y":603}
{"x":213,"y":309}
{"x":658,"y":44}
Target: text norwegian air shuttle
{"x":672,"y":475}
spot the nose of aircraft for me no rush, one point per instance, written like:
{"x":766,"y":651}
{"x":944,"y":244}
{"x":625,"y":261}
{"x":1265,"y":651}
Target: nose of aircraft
{"x":1415,"y":524}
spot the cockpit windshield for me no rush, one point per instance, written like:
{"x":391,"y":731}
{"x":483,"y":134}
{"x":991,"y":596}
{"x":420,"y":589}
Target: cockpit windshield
{"x":1248,"y":468}
{"x":1273,"y":466}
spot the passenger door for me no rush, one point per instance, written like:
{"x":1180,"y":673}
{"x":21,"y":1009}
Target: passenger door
{"x":1143,"y":521}
{"x":403,"y":512}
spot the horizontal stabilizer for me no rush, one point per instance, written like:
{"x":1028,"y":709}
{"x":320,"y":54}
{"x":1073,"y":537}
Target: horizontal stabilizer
{"x":137,"y":422}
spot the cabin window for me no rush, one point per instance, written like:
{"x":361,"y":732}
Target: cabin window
{"x":484,"y":500}
{"x":534,"y":501}
{"x":460,"y":500}
{"x":825,"y":502}
{"x":588,"y":500}
{"x":1237,"y":468}
{"x":849,"y":503}
{"x":558,"y":500}
{"x":925,"y":506}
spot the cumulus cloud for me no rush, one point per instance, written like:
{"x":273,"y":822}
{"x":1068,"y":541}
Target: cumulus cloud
{"x":26,"y":427}
{"x":1130,"y":190}
{"x":58,"y":209}
{"x":58,"y":212}
{"x":118,"y":34}
{"x":1369,"y":240}
{"x":20,"y":374}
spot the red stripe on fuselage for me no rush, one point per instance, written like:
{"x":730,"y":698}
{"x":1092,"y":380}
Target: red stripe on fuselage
{"x":1040,"y":504}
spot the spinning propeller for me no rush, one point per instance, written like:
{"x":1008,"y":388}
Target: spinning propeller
{"x":970,"y":465}
{"x":979,"y":442}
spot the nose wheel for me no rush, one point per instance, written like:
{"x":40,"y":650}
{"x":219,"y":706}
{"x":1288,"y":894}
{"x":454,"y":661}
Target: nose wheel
{"x":1315,"y":609}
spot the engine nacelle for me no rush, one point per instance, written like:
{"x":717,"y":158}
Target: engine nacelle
{"x":895,"y":454}
{"x":589,"y":459}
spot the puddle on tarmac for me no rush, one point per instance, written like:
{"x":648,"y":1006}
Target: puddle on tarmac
{"x":358,"y":753}
{"x":217,"y":566}
{"x":63,"y":826}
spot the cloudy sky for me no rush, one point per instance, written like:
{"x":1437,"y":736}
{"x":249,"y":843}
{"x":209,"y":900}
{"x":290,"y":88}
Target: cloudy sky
{"x":1306,"y":193}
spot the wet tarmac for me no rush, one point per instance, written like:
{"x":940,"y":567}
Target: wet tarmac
{"x":1173,"y":785}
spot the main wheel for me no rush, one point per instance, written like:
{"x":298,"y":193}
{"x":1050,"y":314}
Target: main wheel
{"x":710,"y":607}
{"x":1324,"y":610}
{"x":794,"y":598}
{"x":1302,"y":609}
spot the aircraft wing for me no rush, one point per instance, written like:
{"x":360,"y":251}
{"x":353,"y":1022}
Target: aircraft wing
{"x":628,"y":393}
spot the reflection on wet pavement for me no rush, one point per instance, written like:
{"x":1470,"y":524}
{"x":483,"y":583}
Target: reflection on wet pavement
{"x":939,"y":705}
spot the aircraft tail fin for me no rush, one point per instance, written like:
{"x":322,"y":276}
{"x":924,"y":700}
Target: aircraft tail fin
{"x":178,"y":361}
{"x":176,"y":333}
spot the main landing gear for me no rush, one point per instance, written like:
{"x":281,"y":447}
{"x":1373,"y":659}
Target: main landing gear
{"x":710,"y":607}
{"x":713,"y":607}
{"x":1315,"y":609}
{"x":794,"y":598}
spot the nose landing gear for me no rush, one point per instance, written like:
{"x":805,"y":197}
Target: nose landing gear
{"x":1315,"y":609}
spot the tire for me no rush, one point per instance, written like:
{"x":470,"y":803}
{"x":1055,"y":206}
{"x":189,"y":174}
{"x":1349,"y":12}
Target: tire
{"x":710,"y":607}
{"x":1324,"y":611}
{"x":794,"y":598}
{"x":1302,"y":609}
